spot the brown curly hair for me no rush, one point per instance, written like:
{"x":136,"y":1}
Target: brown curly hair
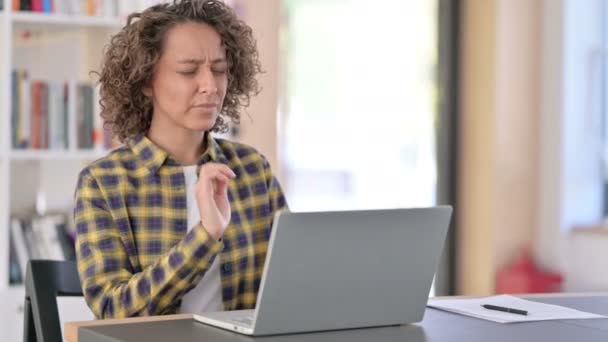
{"x":130,"y":59}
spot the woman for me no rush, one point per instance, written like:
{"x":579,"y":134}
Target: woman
{"x":151,"y":238}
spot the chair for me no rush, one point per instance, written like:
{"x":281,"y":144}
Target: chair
{"x":45,"y":281}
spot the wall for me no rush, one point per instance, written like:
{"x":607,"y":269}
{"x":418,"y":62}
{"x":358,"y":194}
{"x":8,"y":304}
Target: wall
{"x":550,"y":173}
{"x":259,"y":126}
{"x":517,"y":115}
{"x":477,"y":164}
{"x":498,"y":137}
{"x":570,"y":187}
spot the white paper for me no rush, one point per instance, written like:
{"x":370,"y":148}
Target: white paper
{"x":73,"y":309}
{"x":536,"y":311}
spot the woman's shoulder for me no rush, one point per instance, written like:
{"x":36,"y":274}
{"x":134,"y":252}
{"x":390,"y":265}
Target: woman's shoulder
{"x":239,"y":152}
{"x":119,"y":160}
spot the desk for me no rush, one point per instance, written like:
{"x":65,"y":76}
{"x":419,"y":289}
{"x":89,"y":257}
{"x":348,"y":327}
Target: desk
{"x":437,"y":326}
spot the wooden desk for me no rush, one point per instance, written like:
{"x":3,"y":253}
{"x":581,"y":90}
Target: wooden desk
{"x":437,"y":326}
{"x":71,"y":328}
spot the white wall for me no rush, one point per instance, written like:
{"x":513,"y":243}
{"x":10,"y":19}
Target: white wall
{"x":570,"y":180}
{"x":582,"y":190}
{"x":550,"y":173}
{"x":570,"y":186}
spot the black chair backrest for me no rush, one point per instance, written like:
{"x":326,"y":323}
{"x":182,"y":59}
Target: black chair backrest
{"x":46,"y":280}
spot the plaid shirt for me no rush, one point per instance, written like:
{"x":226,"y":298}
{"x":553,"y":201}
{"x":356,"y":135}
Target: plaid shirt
{"x":135,"y":254}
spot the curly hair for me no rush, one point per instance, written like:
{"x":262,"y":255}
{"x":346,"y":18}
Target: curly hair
{"x":130,"y":59}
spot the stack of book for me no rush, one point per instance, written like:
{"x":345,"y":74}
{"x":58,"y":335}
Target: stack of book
{"x":40,"y":237}
{"x":40,"y":115}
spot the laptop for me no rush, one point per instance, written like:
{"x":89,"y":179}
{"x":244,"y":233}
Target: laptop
{"x":341,"y":270}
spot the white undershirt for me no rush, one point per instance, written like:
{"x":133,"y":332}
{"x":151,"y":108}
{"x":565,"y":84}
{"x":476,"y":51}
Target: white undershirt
{"x":207,"y":295}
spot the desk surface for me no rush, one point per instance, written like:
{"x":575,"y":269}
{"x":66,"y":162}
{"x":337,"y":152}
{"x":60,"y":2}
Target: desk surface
{"x":437,"y":326}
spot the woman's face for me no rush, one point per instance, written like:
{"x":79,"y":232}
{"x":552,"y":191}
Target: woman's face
{"x":190,"y":79}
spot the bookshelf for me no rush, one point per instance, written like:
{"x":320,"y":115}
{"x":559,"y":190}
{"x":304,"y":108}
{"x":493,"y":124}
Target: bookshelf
{"x":81,"y":154}
{"x":52,"y":48}
{"x":61,"y":21}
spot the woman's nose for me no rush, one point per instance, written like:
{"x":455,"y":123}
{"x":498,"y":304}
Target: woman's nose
{"x":206,"y":83}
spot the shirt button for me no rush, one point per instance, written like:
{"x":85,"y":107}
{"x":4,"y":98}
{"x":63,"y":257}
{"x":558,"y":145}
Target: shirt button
{"x":227,"y":267}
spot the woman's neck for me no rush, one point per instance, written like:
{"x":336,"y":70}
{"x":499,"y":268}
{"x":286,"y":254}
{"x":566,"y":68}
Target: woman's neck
{"x":185,"y":146}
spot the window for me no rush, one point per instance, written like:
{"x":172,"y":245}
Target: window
{"x":359,"y":108}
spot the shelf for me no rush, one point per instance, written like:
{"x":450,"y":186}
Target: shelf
{"x":18,"y":289}
{"x":56,"y":154}
{"x":12,"y":290}
{"x":30,"y":19}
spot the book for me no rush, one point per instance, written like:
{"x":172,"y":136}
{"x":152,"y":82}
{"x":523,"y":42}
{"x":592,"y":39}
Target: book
{"x":25,"y":115}
{"x":17,"y":235}
{"x":15,"y":275}
{"x":47,"y":236}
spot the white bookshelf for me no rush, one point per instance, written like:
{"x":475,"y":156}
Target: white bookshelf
{"x":5,"y":105}
{"x":58,"y":48}
{"x":60,"y":155}
{"x":60,"y":21}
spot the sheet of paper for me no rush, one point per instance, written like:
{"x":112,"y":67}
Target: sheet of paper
{"x":536,"y":311}
{"x":73,"y":309}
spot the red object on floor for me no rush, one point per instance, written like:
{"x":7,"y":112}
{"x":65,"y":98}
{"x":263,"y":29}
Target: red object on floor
{"x":522,"y":276}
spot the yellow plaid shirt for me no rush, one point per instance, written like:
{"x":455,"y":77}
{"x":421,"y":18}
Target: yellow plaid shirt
{"x":135,"y":254}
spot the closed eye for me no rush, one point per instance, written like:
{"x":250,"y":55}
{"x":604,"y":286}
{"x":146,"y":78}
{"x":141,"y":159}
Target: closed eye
{"x":187,"y":73}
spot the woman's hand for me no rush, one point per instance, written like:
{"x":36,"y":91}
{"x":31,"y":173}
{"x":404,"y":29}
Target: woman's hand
{"x":212,"y":197}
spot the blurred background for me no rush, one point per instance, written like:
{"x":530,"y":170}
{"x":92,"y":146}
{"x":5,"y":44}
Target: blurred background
{"x":497,"y":107}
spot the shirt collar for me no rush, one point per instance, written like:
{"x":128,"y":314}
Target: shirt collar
{"x":153,"y":156}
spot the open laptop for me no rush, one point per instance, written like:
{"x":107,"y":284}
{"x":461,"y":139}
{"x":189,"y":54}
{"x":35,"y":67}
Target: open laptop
{"x":341,"y":270}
